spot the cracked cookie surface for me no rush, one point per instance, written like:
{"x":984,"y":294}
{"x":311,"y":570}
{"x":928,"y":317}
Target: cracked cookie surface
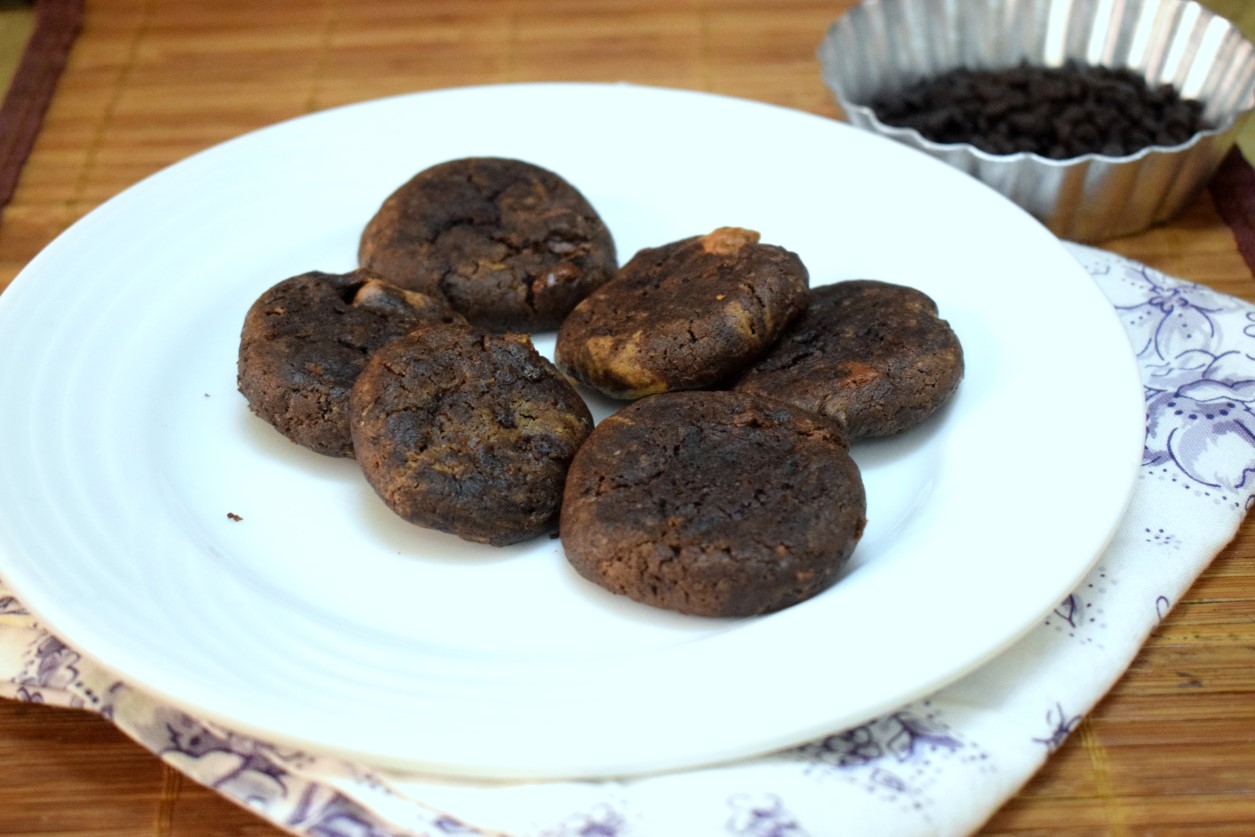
{"x":685,"y":315}
{"x":713,"y":503}
{"x":510,"y":245}
{"x":306,"y":339}
{"x":874,"y":356}
{"x":467,"y":432}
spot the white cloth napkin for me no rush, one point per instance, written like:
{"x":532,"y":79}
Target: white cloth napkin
{"x":937,"y":766}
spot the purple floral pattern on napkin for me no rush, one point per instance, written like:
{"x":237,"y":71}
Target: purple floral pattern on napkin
{"x":761,"y":815}
{"x":937,"y":766}
{"x":1195,"y":347}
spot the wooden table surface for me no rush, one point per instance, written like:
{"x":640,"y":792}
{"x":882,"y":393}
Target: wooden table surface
{"x":1172,"y":748}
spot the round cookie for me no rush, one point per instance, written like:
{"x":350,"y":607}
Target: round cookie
{"x":685,"y":315}
{"x":467,"y":432}
{"x":305,"y":340}
{"x":511,"y":245}
{"x":713,"y":503}
{"x":874,"y":356}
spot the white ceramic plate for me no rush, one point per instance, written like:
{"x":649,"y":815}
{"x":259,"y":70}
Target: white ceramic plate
{"x":321,"y":620}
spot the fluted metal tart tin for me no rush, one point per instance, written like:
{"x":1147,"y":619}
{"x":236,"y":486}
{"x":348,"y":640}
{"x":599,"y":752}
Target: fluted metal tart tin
{"x":885,"y":45}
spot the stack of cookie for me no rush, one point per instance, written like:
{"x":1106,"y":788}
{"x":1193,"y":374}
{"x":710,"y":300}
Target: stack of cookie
{"x":725,"y":489}
{"x":411,"y":363}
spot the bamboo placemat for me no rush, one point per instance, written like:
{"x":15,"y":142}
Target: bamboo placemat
{"x":47,"y":35}
{"x":151,"y":81}
{"x":17,"y":21}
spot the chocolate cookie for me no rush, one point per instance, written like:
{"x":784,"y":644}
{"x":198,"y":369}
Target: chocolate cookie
{"x":873,"y":355}
{"x":511,"y":245}
{"x":306,"y":339}
{"x":467,"y":432}
{"x":713,"y":503}
{"x":683,"y":316}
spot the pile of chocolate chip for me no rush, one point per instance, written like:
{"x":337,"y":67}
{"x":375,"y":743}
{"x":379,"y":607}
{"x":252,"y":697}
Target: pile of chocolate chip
{"x":1055,"y":112}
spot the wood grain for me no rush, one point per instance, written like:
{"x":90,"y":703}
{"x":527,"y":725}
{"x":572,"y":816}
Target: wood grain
{"x":151,"y":81}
